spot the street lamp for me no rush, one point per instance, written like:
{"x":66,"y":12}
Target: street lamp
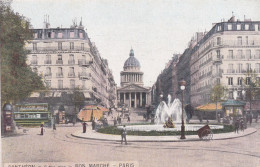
{"x":182,"y":84}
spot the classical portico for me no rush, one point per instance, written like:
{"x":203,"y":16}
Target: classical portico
{"x":132,"y":92}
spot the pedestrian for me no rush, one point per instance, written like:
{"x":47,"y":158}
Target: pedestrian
{"x":84,"y":127}
{"x":237,"y":126}
{"x":54,"y":126}
{"x":242,"y":125}
{"x":42,"y":129}
{"x":123,"y":135}
{"x":256,"y":118}
{"x":93,"y":124}
{"x":250,"y":118}
{"x":128,"y":118}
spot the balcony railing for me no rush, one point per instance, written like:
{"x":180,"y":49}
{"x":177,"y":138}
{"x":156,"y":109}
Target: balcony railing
{"x":48,"y":75}
{"x":34,"y":62}
{"x":47,"y":62}
{"x":84,"y":75}
{"x":83,"y":62}
{"x":59,"y":75}
{"x":76,"y":48}
{"x":71,"y":75}
{"x":71,"y":62}
{"x":230,"y":71}
{"x":59,"y":61}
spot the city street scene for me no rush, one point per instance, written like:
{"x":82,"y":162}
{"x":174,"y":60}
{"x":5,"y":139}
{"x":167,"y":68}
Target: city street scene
{"x":115,"y":83}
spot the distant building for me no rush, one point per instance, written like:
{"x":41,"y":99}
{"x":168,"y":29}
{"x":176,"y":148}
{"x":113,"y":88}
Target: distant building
{"x":167,"y":81}
{"x":67,"y":59}
{"x":132,"y":92}
{"x":223,"y":56}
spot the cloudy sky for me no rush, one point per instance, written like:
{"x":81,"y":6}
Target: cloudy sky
{"x":155,"y":29}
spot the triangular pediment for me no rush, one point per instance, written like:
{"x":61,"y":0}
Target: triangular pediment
{"x":132,"y":87}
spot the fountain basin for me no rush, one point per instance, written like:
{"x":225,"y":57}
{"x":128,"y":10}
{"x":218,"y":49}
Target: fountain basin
{"x":188,"y":127}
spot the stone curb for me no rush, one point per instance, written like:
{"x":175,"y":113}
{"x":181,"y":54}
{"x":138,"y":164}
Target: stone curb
{"x":178,"y":140}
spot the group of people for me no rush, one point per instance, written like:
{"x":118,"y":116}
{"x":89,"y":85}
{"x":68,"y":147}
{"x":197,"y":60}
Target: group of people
{"x":240,"y":124}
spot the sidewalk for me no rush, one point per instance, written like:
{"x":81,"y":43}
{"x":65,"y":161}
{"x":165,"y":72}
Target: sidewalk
{"x":93,"y":135}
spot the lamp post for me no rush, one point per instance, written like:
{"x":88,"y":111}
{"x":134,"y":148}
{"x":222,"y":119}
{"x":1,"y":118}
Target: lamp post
{"x":182,"y":84}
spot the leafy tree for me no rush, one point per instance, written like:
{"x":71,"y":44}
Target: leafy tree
{"x":18,"y":80}
{"x":217,"y":93}
{"x":251,"y":85}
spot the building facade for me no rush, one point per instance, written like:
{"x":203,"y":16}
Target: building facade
{"x":223,"y":56}
{"x":132,"y":92}
{"x":67,"y":60}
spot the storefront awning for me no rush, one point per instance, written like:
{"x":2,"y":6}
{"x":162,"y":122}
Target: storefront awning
{"x":209,"y":107}
{"x":232,"y":102}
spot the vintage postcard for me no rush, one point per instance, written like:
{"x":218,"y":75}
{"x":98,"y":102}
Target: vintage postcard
{"x":130,"y":83}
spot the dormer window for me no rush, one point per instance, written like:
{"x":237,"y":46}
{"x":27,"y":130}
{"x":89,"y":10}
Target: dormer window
{"x":239,"y":27}
{"x":72,"y":34}
{"x":229,"y":26}
{"x":59,"y":35}
{"x":247,"y":27}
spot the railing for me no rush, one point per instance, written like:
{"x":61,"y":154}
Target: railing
{"x":47,"y":62}
{"x":84,"y":75}
{"x":64,"y":48}
{"x":83,"y":62}
{"x":48,"y":74}
{"x":34,"y":62}
{"x":71,"y":75}
{"x":59,"y":75}
{"x":59,"y":61}
{"x":71,"y":62}
{"x":230,"y":71}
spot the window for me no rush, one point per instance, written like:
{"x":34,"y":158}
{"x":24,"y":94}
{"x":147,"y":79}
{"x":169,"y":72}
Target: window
{"x":248,"y":67}
{"x":230,"y":95}
{"x":239,"y":27}
{"x":60,"y":84}
{"x":230,"y":68}
{"x":52,"y":34}
{"x":229,"y":26}
{"x":35,"y":35}
{"x":239,"y":54}
{"x":34,"y":46}
{"x":71,"y":45}
{"x":218,"y":80}
{"x":218,"y":54}
{"x":59,"y":45}
{"x":83,"y":84}
{"x":71,"y":72}
{"x":34,"y":60}
{"x":240,"y":68}
{"x":59,"y":57}
{"x":246,"y":26}
{"x":72,"y":34}
{"x":248,"y":80}
{"x":72,"y":83}
{"x":49,"y":34}
{"x":239,"y":41}
{"x":257,"y":67}
{"x":230,"y":80}
{"x":248,"y":54}
{"x":71,"y":59}
{"x":230,"y":54}
{"x":239,"y":81}
{"x":48,"y":83}
{"x":80,"y":35}
{"x":82,"y":46}
{"x":218,"y":40}
{"x":59,"y":35}
{"x":257,"y":54}
{"x":246,"y":40}
{"x":48,"y":71}
{"x":48,"y":59}
{"x":219,"y":28}
{"x":60,"y":73}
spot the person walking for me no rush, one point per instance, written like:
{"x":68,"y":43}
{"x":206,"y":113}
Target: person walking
{"x":237,"y":126}
{"x":242,"y":125}
{"x":93,"y":124}
{"x":84,"y":127}
{"x":42,"y":129}
{"x":128,"y":118}
{"x":123,"y":135}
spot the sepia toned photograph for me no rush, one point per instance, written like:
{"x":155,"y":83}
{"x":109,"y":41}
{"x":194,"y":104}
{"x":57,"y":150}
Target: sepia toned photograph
{"x":130,"y":83}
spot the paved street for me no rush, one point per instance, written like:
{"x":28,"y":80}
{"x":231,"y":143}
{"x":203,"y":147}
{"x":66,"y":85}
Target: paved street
{"x":61,"y":146}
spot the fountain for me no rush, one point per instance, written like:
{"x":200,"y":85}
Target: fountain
{"x":171,"y":111}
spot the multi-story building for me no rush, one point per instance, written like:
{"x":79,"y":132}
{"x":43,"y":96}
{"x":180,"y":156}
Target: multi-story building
{"x":167,"y":83}
{"x":67,"y":59}
{"x":223,"y":56}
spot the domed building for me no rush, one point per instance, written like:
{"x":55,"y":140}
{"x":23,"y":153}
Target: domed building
{"x":132,"y":91}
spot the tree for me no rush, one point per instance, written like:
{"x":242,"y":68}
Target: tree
{"x":77,"y":99}
{"x":216,"y":94}
{"x":251,"y":85}
{"x":18,"y":80}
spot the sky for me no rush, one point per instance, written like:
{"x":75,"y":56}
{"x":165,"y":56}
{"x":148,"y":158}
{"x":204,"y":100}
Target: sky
{"x":155,"y":29}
